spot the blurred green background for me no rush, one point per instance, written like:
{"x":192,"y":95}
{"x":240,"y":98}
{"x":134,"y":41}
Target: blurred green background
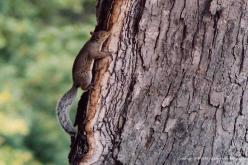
{"x":38,"y":43}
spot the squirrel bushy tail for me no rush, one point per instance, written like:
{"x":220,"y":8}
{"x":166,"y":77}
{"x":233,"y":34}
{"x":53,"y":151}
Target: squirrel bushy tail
{"x":63,"y":108}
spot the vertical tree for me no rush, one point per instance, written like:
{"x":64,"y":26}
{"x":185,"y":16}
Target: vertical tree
{"x":176,"y":89}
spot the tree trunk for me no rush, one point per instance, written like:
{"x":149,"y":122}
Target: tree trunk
{"x":175,"y":91}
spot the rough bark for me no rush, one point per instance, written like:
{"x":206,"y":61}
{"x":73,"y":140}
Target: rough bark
{"x":175,"y":91}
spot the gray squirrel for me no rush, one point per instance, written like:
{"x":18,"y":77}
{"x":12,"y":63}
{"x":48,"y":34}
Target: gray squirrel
{"x":82,"y":76}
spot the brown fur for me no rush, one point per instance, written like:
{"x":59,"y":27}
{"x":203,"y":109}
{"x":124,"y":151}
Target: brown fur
{"x":81,"y":75}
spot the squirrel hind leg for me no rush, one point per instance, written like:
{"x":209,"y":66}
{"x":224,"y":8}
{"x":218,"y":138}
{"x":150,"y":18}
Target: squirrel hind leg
{"x":85,"y":82}
{"x":90,"y":86}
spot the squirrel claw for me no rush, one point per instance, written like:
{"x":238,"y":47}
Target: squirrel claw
{"x":91,"y":86}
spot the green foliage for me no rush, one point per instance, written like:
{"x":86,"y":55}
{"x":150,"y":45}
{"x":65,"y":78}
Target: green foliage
{"x":38,"y":43}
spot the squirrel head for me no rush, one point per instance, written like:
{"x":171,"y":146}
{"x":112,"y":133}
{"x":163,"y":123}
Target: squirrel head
{"x":100,"y":35}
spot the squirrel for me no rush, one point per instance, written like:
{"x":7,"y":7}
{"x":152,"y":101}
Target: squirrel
{"x":82,"y":76}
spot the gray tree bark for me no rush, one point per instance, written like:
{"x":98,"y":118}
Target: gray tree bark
{"x":175,"y":91}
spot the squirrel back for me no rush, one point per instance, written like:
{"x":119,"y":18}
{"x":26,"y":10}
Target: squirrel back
{"x":62,"y":110}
